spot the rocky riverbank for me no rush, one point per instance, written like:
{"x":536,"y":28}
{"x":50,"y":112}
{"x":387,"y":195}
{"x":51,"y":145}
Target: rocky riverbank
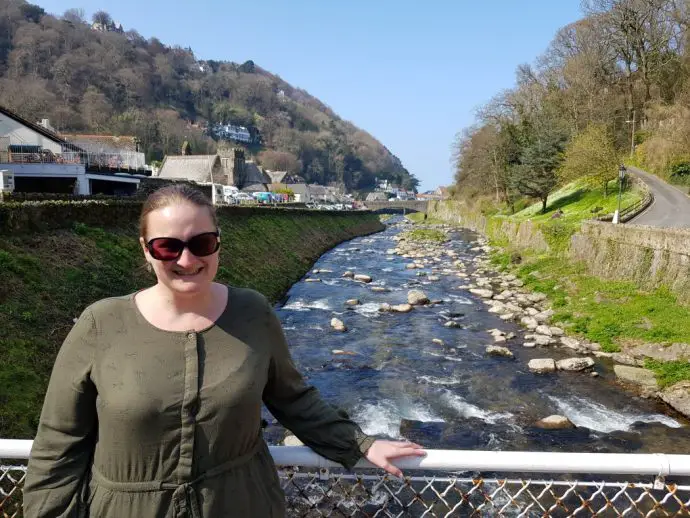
{"x":505,"y":295}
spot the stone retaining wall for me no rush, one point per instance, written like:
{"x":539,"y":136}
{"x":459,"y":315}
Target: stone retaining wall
{"x":651,"y":257}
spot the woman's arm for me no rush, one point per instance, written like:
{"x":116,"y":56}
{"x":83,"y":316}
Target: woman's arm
{"x":64,"y":442}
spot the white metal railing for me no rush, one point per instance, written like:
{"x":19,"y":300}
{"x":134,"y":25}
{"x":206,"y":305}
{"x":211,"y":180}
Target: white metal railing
{"x":457,"y":483}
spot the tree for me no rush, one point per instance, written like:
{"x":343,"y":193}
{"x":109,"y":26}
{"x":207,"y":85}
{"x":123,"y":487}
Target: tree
{"x":102,"y":18}
{"x":591,"y":155}
{"x":536,"y":176}
{"x":95,"y":108}
{"x":74,"y":15}
{"x":280,"y":161}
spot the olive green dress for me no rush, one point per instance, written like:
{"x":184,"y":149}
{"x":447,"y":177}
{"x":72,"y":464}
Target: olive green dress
{"x":141,"y":422}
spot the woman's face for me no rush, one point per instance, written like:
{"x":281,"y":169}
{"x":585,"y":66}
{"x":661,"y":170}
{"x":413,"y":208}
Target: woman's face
{"x":188,"y":273}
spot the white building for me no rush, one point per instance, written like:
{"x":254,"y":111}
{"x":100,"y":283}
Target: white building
{"x":43,"y":161}
{"x":232,"y":132}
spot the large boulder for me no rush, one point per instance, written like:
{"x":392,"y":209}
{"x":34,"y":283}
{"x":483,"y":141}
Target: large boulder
{"x":529,"y":322}
{"x":338,"y":325}
{"x":481,"y":292}
{"x":401,"y":308}
{"x":543,"y":330}
{"x":542,"y":365}
{"x":291,"y":440}
{"x":352,"y":302}
{"x":574,"y":364}
{"x":678,"y":396}
{"x":349,"y":274}
{"x":662,"y":353}
{"x":496,"y":350}
{"x":642,"y":378}
{"x":626,"y":359}
{"x":417,"y":297}
{"x":362,"y":278}
{"x":555,"y":422}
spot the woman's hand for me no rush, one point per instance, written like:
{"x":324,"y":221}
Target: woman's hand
{"x":381,"y":453}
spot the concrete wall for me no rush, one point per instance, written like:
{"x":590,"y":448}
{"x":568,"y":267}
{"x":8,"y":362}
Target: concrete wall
{"x":651,"y":257}
{"x":20,"y":134}
{"x":518,"y":234}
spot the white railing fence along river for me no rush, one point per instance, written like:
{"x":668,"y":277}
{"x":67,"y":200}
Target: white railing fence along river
{"x":455,"y":483}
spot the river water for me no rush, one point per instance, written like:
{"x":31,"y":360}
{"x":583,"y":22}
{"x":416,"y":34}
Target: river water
{"x":398,"y":383}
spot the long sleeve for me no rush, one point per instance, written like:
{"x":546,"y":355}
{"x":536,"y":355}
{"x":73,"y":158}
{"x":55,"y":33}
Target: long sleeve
{"x":299,"y":407}
{"x":65,"y":439}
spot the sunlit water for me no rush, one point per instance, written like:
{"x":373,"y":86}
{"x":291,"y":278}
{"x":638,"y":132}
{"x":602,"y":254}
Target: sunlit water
{"x":398,"y":383}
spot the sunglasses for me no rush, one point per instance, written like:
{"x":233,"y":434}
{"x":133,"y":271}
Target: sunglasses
{"x":170,"y":248}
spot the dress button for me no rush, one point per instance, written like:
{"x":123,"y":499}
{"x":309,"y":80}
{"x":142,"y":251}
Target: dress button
{"x":190,"y":335}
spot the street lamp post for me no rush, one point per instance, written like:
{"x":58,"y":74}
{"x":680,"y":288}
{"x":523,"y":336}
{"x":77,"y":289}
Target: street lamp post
{"x":621,"y":177}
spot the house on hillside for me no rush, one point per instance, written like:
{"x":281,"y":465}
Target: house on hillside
{"x":117,"y":152}
{"x":232,"y":132}
{"x":43,"y":161}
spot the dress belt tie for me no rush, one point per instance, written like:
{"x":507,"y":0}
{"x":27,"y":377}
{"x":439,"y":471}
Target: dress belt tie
{"x":185,"y":502}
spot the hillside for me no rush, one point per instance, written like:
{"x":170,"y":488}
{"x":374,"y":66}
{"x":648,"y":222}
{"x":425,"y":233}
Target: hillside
{"x":99,"y":78}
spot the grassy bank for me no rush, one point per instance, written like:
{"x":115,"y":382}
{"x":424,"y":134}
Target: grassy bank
{"x":615,"y":314}
{"x":48,"y":277}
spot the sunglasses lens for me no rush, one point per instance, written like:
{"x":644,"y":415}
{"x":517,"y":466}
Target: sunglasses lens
{"x":165,"y":248}
{"x":203,"y":244}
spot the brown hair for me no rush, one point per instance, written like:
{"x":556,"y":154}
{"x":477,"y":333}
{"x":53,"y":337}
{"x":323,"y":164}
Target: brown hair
{"x":171,"y":195}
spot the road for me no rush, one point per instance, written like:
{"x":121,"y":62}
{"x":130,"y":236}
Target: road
{"x":670,"y":208}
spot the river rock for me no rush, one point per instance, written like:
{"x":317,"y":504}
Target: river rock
{"x":352,"y":302}
{"x":433,"y":278}
{"x":529,"y":345}
{"x":678,"y":396}
{"x":543,"y":330}
{"x":542,"y":340}
{"x":536,"y":297}
{"x":626,"y":359}
{"x":390,"y":251}
{"x":341,"y":352}
{"x":529,"y":322}
{"x":542,"y":365}
{"x":312,"y":279}
{"x":362,"y":278}
{"x":574,"y":364}
{"x":401,"y":308}
{"x":291,"y":440}
{"x":379,"y":289}
{"x":384,"y":307}
{"x":641,"y":378}
{"x":507,"y":316}
{"x":673,"y":352}
{"x":555,"y":422}
{"x":544,"y":317}
{"x":531,"y":311}
{"x":417,"y":297}
{"x":452,"y":324}
{"x":338,"y":325}
{"x":484,"y":293}
{"x":571,"y":343}
{"x":438,"y":341}
{"x":349,"y":274}
{"x":495,"y":350}
{"x":410,"y":266}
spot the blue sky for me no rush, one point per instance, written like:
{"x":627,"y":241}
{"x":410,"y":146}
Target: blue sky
{"x":410,"y":73}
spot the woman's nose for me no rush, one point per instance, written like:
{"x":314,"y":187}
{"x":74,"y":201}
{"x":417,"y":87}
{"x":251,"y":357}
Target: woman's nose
{"x":187,"y":258}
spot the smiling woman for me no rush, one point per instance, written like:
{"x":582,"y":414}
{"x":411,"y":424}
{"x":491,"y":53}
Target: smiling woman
{"x":154,"y":403}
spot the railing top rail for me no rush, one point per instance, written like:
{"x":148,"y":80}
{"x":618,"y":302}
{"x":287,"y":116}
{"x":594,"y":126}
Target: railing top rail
{"x":655,"y":464}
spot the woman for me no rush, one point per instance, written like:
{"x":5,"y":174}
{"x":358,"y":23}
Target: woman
{"x":154,"y":405}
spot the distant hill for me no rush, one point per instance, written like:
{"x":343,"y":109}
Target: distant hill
{"x":100,"y":78}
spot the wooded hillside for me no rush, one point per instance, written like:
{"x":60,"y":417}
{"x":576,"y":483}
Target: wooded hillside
{"x":115,"y":81}
{"x":571,"y":113}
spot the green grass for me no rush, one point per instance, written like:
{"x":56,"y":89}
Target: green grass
{"x":49,"y":278}
{"x":577,"y":201}
{"x":415,"y":217}
{"x":608,"y":312}
{"x":669,"y":373}
{"x":425,"y":234}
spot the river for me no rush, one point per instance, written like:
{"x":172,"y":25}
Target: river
{"x":396,"y":382}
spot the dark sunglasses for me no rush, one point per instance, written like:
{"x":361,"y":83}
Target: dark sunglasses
{"x":170,"y":248}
